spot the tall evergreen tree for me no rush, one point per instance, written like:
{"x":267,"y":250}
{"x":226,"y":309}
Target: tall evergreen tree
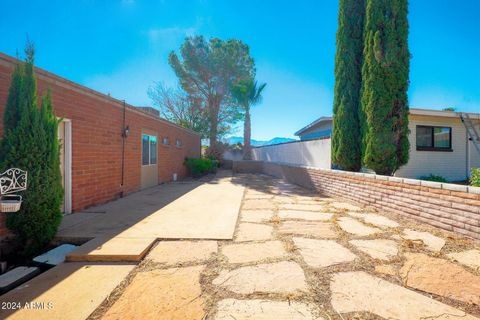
{"x":348,"y":81}
{"x":385,"y":73}
{"x":31,"y":143}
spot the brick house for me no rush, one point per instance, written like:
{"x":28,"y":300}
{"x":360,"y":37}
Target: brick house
{"x":109,"y":148}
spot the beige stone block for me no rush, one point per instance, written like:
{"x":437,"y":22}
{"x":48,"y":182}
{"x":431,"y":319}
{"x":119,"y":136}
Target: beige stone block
{"x":251,"y":252}
{"x":175,"y":252}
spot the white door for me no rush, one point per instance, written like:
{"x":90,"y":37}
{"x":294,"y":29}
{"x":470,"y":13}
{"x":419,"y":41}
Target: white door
{"x":65,"y":139}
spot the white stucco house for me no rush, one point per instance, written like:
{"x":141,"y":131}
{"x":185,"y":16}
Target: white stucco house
{"x":443,"y":143}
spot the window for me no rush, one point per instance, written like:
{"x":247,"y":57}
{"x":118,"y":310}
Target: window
{"x":178,"y":143}
{"x":431,"y":138}
{"x":149,"y":150}
{"x":166,"y":141}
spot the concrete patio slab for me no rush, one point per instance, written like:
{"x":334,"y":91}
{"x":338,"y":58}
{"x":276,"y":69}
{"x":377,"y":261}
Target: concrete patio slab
{"x":229,"y":309}
{"x":361,"y":292}
{"x":69,"y":291}
{"x":172,"y":211}
{"x":173,"y":294}
{"x":178,"y":252}
{"x":114,"y":249}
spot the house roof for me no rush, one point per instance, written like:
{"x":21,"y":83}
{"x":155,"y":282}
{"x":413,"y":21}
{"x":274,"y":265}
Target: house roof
{"x":314,"y":123}
{"x":413,"y":111}
{"x":10,"y":61}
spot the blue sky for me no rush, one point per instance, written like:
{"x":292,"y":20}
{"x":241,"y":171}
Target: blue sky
{"x":121,"y":47}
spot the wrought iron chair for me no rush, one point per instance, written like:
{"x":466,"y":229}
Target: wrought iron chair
{"x":12,"y":181}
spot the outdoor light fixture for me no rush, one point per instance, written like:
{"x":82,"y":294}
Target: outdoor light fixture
{"x":126,"y":131}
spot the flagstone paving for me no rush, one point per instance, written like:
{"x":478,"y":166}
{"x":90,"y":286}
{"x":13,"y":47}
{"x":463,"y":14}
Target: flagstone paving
{"x":322,"y":253}
{"x":381,"y":249}
{"x":281,"y":277}
{"x":230,"y":309}
{"x":304,"y":215}
{"x":435,"y":275}
{"x":355,"y":227}
{"x":432,"y":243}
{"x":470,"y":258}
{"x":286,"y":262}
{"x":178,"y":252}
{"x":251,"y":252}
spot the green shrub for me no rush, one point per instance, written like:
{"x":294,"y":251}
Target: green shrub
{"x":433,"y":177}
{"x":201,"y":166}
{"x":31,"y":144}
{"x":475,"y":177}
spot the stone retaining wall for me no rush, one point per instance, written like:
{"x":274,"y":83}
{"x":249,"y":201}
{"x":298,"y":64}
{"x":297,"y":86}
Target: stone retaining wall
{"x":447,"y":206}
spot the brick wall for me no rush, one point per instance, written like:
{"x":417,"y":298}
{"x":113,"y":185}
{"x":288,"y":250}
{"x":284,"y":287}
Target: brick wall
{"x":97,"y":122}
{"x":447,"y":206}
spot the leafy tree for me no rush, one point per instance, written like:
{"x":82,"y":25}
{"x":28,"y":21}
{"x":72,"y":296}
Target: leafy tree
{"x":31,"y":143}
{"x":180,"y":108}
{"x":348,"y":81}
{"x":247,"y":93}
{"x":385,"y":73}
{"x":207,"y":71}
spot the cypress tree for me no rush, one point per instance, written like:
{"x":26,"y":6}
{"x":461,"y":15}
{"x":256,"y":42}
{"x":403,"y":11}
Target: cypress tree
{"x":348,"y":78}
{"x":31,"y":143}
{"x":385,"y":73}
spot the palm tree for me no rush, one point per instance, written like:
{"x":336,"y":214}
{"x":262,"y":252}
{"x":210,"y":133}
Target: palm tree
{"x":248,"y":93}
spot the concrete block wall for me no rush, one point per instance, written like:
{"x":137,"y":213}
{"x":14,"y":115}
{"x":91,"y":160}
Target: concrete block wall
{"x":446,"y":206}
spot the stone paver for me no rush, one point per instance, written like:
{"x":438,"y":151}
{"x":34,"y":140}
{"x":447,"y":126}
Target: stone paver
{"x":74,"y":289}
{"x":440,"y":277}
{"x":257,"y":204}
{"x":432,"y":243}
{"x":375,"y":219}
{"x":470,"y":258}
{"x":323,"y":253}
{"x":256,"y":215}
{"x":175,"y":252}
{"x":386,"y":269}
{"x":308,"y":228}
{"x":253,"y":232}
{"x":381,"y":249}
{"x":170,"y":293}
{"x":359,"y":291}
{"x":305,"y":215}
{"x":250,"y":252}
{"x":303,"y":207}
{"x":230,"y":309}
{"x":344,"y":206}
{"x":280,"y":277}
{"x":355,"y":227}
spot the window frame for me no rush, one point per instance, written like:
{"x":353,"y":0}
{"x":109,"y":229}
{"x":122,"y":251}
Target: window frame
{"x":150,"y":163}
{"x":178,"y":143}
{"x":432,"y":147}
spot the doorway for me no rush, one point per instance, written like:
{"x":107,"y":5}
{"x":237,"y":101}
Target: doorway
{"x":65,"y":139}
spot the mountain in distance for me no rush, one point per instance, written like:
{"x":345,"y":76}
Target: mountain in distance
{"x":259,"y":143}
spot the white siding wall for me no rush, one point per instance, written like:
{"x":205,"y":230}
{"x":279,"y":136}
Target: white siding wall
{"x":474,"y":154}
{"x":451,"y":165}
{"x":314,"y":153}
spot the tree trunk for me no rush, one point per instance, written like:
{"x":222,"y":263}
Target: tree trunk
{"x":247,"y":149}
